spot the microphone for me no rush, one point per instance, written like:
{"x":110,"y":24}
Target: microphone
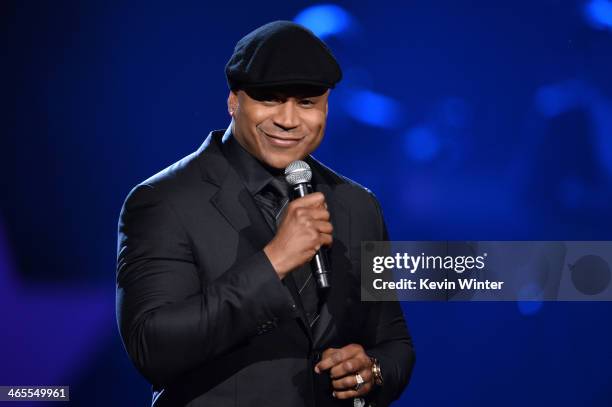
{"x":298,"y":175}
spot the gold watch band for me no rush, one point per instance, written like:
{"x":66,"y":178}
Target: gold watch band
{"x":376,"y":372}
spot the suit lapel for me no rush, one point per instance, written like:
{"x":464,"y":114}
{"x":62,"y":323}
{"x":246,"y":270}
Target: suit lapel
{"x":232,"y":199}
{"x":340,"y":219}
{"x":236,"y":205}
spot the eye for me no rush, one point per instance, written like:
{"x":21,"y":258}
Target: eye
{"x":270,"y":99}
{"x":306,"y":102}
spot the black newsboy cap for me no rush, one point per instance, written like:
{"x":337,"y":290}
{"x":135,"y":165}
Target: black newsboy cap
{"x":281,"y":53}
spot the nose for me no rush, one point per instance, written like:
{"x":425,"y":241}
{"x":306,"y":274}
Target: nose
{"x":287,"y":115}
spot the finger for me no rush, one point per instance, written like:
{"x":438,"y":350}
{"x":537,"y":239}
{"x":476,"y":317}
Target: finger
{"x":323,"y":226}
{"x":325,"y":240}
{"x":311,"y":200}
{"x":316,"y":213}
{"x":349,"y":381}
{"x":305,"y":215}
{"x":328,"y":352}
{"x":346,"y":394}
{"x":330,"y":360}
{"x":348,"y":367}
{"x":332,"y":356}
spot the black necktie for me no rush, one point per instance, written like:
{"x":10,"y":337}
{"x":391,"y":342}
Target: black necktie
{"x":272,"y":200}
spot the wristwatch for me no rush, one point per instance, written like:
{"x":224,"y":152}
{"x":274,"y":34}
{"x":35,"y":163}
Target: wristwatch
{"x":376,"y":373}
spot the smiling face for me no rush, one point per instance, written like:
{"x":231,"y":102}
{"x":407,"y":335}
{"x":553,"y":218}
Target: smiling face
{"x":279,"y":125}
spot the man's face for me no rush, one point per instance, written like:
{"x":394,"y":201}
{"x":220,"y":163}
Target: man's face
{"x":279,"y":125}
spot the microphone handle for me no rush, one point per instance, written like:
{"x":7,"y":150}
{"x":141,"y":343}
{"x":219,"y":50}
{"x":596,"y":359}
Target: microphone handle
{"x":318,"y":264}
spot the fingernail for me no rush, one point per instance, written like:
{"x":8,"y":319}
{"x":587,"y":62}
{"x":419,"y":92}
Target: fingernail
{"x":333,"y":394}
{"x":317,"y":369}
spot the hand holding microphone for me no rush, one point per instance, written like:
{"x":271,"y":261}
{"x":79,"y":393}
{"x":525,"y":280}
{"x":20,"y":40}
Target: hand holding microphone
{"x":304,"y":229}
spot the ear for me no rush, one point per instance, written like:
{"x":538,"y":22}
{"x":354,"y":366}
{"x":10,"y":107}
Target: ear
{"x":232,"y":102}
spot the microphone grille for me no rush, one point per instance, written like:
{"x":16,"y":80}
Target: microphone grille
{"x":298,"y":172}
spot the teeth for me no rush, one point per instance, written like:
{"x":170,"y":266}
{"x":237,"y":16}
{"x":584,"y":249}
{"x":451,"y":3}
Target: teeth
{"x":284,"y":141}
{"x":281,"y":138}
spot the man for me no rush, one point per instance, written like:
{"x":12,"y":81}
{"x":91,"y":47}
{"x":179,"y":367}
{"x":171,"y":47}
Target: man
{"x":215,"y":300}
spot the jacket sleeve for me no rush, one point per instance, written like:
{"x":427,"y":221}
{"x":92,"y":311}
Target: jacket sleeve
{"x":389,"y":341}
{"x":170,"y":322}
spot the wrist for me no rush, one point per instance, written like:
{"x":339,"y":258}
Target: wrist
{"x":277,"y":264}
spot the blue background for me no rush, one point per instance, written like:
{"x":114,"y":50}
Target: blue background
{"x":471,"y":120}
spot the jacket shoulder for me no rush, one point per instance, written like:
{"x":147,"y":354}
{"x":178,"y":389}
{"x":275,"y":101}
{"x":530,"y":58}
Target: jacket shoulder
{"x":186,"y":172}
{"x":183,"y":171}
{"x":341,"y":183}
{"x":176,"y":183}
{"x":360,"y":201}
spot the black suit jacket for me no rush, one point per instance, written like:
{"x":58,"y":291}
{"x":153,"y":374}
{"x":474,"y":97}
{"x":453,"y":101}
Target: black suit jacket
{"x":202,"y":313}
